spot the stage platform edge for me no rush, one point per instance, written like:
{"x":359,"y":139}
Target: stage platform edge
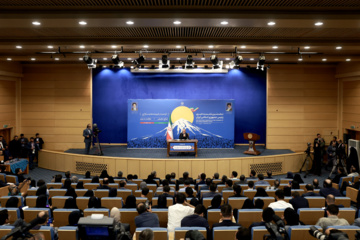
{"x":77,"y":163}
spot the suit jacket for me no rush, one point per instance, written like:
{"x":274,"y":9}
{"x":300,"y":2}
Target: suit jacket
{"x":310,"y":194}
{"x":184,"y":136}
{"x":41,"y":142}
{"x":326,"y":191}
{"x":299,"y":202}
{"x":28,"y":147}
{"x":226,"y":223}
{"x":86,"y":133}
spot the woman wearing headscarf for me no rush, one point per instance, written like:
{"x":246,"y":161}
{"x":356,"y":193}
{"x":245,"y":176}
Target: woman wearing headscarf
{"x":290,"y":175}
{"x":124,"y":227}
{"x":89,"y":193}
{"x":248,"y":204}
{"x":74,"y":218}
{"x":41,"y":201}
{"x":130,"y":202}
{"x":291,"y":217}
{"x":113,"y":192}
{"x":298,"y":178}
{"x":115,"y":214}
{"x":260,"y":192}
{"x":162,"y":202}
{"x":352,"y":160}
{"x":80,"y":185}
{"x":71,"y":192}
{"x":87,"y":174}
{"x":215,"y":202}
{"x":111,"y":179}
{"x":94,"y":202}
{"x":95,"y":180}
{"x":67,"y":184}
{"x":259,"y":203}
{"x":104,"y":174}
{"x":70,"y":203}
{"x":42,"y":190}
{"x":13,"y":203}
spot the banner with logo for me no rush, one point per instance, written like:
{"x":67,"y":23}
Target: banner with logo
{"x":211,"y":122}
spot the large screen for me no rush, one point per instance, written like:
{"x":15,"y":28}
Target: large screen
{"x":211,"y":122}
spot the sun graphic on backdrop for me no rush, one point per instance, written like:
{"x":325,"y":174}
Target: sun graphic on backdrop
{"x":182,"y":112}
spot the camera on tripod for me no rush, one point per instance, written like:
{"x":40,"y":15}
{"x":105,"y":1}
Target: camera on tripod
{"x":308,"y":149}
{"x":96,"y":130}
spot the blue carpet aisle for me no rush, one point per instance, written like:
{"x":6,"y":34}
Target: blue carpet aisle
{"x":123,"y":151}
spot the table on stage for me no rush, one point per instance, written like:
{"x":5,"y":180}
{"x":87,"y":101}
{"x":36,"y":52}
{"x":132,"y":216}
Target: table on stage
{"x":12,"y":165}
{"x":178,"y":145}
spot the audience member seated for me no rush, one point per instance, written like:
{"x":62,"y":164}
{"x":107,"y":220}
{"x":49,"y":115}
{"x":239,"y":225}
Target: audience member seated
{"x":291,"y":185}
{"x":94,"y":202}
{"x":123,"y":227}
{"x":150,"y":180}
{"x":130,"y":202}
{"x":146,"y":218}
{"x":89,"y":193}
{"x":71,"y":193}
{"x":70,"y":203}
{"x":16,"y":190}
{"x":144,"y":192}
{"x":328,"y":189}
{"x":216,"y":176}
{"x":316,"y":184}
{"x":353,"y":172}
{"x":42,"y":190}
{"x":237,"y":191}
{"x":298,"y":178}
{"x":187,"y":183}
{"x":67,"y":175}
{"x":122,"y":184}
{"x":248,"y":204}
{"x":298,"y":202}
{"x":228,"y":185}
{"x":113,"y":192}
{"x":259,"y":203}
{"x":104,"y":174}
{"x":223,"y":180}
{"x":291,"y":217}
{"x":226,"y":220}
{"x":74,"y":218}
{"x":105,"y":184}
{"x":275,"y":187}
{"x":330,"y":199}
{"x":129,"y":178}
{"x":43,"y":218}
{"x":251,"y":185}
{"x":190,"y":194}
{"x":41,"y":201}
{"x":252,"y":175}
{"x":146,"y":234}
{"x":242,"y":180}
{"x":74,"y":179}
{"x":260,"y":192}
{"x":243,"y":233}
{"x":290,"y":175}
{"x":269,"y":175}
{"x":142,"y":185}
{"x":95,"y":179}
{"x":162,"y":202}
{"x":178,"y":211}
{"x":340,"y":173}
{"x":261,"y":180}
{"x":267,"y":216}
{"x":280,"y":203}
{"x":215,"y":202}
{"x":80,"y":185}
{"x":184,"y":178}
{"x":168,"y":178}
{"x":310,"y":191}
{"x":208,"y":181}
{"x":67,"y":184}
{"x":197,"y":219}
{"x":234,"y":175}
{"x":57,"y":178}
{"x":332,"y":218}
{"x":87,"y":174}
{"x":212,"y":192}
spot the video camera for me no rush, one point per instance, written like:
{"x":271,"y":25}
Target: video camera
{"x":276,"y":230}
{"x":308,"y":149}
{"x":96,"y":130}
{"x":335,"y":234}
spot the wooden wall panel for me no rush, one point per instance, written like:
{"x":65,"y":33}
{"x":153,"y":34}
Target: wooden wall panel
{"x":302,"y":101}
{"x":56,"y":102}
{"x":351,"y":105}
{"x":7,"y":103}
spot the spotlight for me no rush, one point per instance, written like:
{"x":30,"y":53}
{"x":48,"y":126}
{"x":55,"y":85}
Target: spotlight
{"x":91,"y":63}
{"x":140,"y":60}
{"x":164,"y":62}
{"x":189,"y":62}
{"x":215,"y":61}
{"x":236,"y":62}
{"x":116,"y":60}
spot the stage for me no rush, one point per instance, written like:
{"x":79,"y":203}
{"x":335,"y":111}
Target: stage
{"x":123,"y":151}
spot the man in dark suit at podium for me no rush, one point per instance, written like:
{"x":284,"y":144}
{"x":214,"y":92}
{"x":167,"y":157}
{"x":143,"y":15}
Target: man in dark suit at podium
{"x":184,"y":135}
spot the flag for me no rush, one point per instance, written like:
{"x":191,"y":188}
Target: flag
{"x":169,"y":133}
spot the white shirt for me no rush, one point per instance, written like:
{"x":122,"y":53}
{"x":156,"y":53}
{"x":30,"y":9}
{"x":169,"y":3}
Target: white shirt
{"x":280,"y":204}
{"x":176,"y":213}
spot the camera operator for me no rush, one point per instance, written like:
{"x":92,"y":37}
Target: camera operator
{"x":87,"y":133}
{"x":321,"y":143}
{"x":317,"y":159}
{"x":330,"y":233}
{"x":331,"y":151}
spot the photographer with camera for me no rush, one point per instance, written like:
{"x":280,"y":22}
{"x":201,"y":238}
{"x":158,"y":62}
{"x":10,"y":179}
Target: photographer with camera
{"x":330,"y":233}
{"x":146,"y":218}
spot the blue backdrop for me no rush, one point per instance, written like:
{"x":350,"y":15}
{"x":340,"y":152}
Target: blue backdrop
{"x":113,"y":87}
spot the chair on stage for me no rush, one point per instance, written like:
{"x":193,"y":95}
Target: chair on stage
{"x":224,"y":232}
{"x":59,"y":201}
{"x":90,"y":211}
{"x":82,"y":202}
{"x":68,"y":232}
{"x":247,"y":216}
{"x":181,"y":231}
{"x":310,"y":216}
{"x":57,"y":192}
{"x":61,"y":216}
{"x":315,"y":201}
{"x":237,"y":202}
{"x":160,"y":233}
{"x":110,"y":202}
{"x":348,"y":214}
{"x":162,"y":215}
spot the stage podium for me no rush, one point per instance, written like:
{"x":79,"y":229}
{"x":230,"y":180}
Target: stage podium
{"x":252,"y":138}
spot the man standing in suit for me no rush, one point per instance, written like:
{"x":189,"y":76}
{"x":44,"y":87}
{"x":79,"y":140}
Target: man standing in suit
{"x":88,"y":133}
{"x":32,"y":149}
{"x":184,"y":135}
{"x":24,"y":142}
{"x":15,"y":147}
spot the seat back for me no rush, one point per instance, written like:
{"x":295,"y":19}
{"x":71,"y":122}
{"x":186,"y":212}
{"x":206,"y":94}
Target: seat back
{"x":301,"y":232}
{"x":213,"y":216}
{"x":316,"y":202}
{"x":5,"y":229}
{"x":270,"y":181}
{"x":54,"y":185}
{"x":162,"y":215}
{"x":31,"y":201}
{"x":4,"y":199}
{"x":169,"y":201}
{"x":152,"y":187}
{"x":89,"y":211}
{"x":224,"y":232}
{"x":247,"y":216}
{"x":137,"y":182}
{"x":124,"y":193}
{"x":85,"y":180}
{"x":128,"y":216}
{"x":207,"y":201}
{"x":345,"y":201}
{"x":137,"y":194}
{"x":345,"y":179}
{"x":132,"y":187}
{"x":110,"y":202}
{"x":226,"y":194}
{"x":220,"y":187}
{"x":14,"y":214}
{"x":57,"y":192}
{"x":310,"y":216}
{"x":80,"y":192}
{"x":91,"y":186}
{"x":61,"y":216}
{"x":181,"y":231}
{"x":59,"y":201}
{"x":237,"y":202}
{"x":100,"y":193}
{"x":159,"y":192}
{"x":159,"y":233}
{"x":12,"y":179}
{"x":267,"y":200}
{"x":31,"y":192}
{"x":82,"y":202}
{"x":258,"y":233}
{"x":47,"y":231}
{"x":348,"y":214}
{"x":249,"y":194}
{"x":140,"y":199}
{"x":271,"y":192}
{"x":68,"y":233}
{"x":3,"y":177}
{"x":285,"y":180}
{"x":31,"y":213}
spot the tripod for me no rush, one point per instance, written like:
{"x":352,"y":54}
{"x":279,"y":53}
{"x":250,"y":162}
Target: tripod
{"x":99,"y":151}
{"x":307,"y":161}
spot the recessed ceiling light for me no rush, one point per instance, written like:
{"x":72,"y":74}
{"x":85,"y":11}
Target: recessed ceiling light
{"x":57,"y":59}
{"x":178,"y":46}
{"x":211,"y":46}
{"x":338,"y":47}
{"x":104,"y":58}
{"x":243,"y":46}
{"x":252,"y":59}
{"x":275,"y":47}
{"x":276,"y":59}
{"x":50,"y":46}
{"x":306,"y":47}
{"x":129,"y":58}
{"x":33,"y":59}
{"x":81,"y":46}
{"x":178,"y":58}
{"x":132,"y":67}
{"x":202,"y":58}
{"x":9,"y":59}
{"x":319,"y":23}
{"x":271,"y":23}
{"x":300,"y":59}
{"x":146,"y":46}
{"x":348,"y":59}
{"x":80,"y":59}
{"x":36,"y":23}
{"x":104,"y":66}
{"x":18,"y":47}
{"x":177,"y":22}
{"x":113,"y":46}
{"x":227,"y":58}
{"x":227,"y":66}
{"x":224,"y":23}
{"x":324,"y":59}
{"x":82,"y":23}
{"x":129,"y":22}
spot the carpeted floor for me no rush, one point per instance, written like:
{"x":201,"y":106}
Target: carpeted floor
{"x":123,"y":151}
